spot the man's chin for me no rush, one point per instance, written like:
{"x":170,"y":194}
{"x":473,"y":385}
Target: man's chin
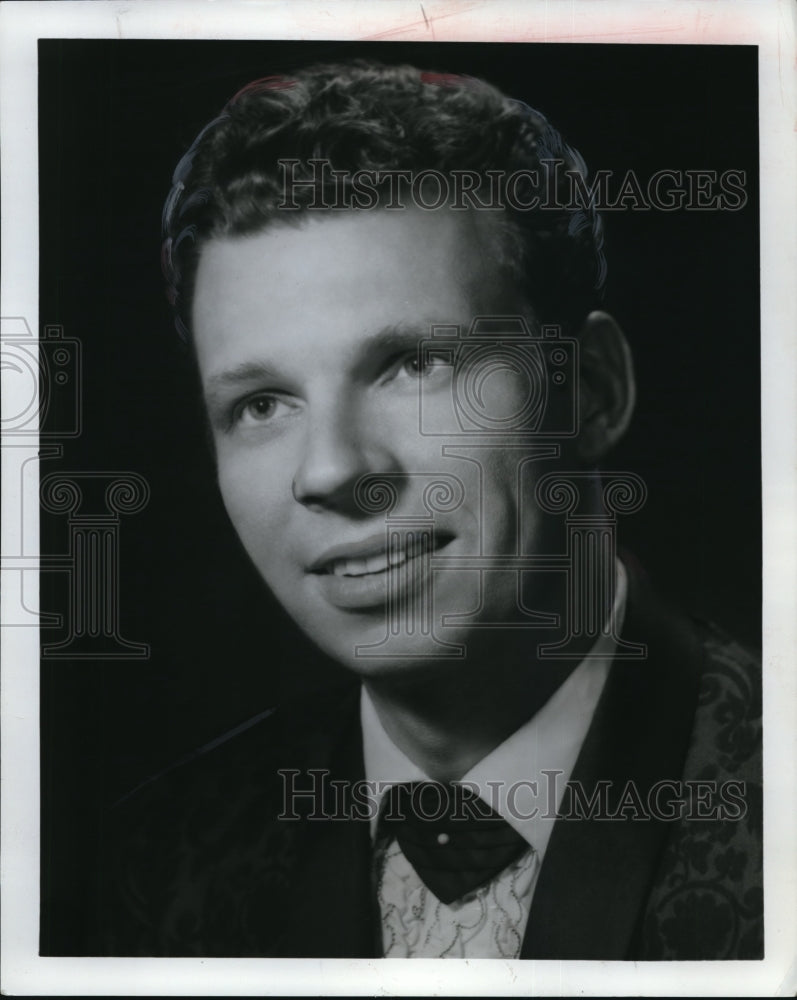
{"x":376,"y":651}
{"x":370,"y":642}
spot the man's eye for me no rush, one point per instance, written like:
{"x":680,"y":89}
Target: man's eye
{"x":259,"y":410}
{"x":421,"y":367}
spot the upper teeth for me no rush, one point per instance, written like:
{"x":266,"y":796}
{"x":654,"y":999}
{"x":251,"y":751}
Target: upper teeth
{"x":378,"y":562}
{"x":373,"y":564}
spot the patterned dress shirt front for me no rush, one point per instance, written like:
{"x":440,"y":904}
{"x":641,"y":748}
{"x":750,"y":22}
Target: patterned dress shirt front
{"x":523,"y":779}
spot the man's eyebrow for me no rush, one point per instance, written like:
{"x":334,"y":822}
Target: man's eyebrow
{"x":395,"y":337}
{"x":399,"y":336}
{"x":247,"y":371}
{"x":396,"y":333}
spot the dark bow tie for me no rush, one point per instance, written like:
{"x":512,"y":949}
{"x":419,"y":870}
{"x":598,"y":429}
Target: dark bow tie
{"x":451,"y":837}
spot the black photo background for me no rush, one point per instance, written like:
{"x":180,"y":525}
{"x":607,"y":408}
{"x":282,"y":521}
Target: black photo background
{"x":115,"y":116}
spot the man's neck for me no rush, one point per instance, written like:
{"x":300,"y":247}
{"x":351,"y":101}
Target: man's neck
{"x":447,"y":718}
{"x":448,"y":715}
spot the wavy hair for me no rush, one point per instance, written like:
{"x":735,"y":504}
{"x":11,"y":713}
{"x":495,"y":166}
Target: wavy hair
{"x":366,"y":116}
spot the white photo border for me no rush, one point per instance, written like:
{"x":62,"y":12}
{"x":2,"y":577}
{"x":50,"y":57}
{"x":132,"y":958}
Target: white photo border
{"x":770,"y":26}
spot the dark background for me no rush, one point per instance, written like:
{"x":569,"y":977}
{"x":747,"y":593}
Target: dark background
{"x":115,"y":117}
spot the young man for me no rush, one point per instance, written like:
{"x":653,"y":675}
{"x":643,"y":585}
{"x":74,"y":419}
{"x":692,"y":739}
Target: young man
{"x":389,"y":282}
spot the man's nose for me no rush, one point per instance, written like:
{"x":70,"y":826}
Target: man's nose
{"x":339,"y":447}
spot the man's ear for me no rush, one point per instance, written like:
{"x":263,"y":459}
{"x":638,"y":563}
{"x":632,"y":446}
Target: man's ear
{"x":606,"y":385}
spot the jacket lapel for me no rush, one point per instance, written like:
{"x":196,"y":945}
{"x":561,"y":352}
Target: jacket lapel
{"x":331,"y":912}
{"x":596,"y":874}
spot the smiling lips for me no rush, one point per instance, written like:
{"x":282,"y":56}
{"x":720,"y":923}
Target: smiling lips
{"x":378,"y":559}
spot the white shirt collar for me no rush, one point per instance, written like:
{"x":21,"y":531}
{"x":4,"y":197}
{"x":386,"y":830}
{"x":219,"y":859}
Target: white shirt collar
{"x":510,"y":778}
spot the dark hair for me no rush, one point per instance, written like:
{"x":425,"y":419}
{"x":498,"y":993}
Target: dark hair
{"x":365,"y":116}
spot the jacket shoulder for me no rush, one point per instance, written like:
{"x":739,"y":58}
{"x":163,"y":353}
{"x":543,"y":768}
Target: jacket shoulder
{"x":195,"y":861}
{"x":707,"y":900}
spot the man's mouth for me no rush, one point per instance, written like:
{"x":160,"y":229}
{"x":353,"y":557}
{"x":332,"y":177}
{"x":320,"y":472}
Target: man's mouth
{"x":379,"y":557}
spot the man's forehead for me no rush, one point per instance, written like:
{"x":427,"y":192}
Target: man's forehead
{"x":469,"y":246}
{"x":342,"y":278}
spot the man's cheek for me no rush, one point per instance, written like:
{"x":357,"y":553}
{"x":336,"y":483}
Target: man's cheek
{"x":249,"y":490}
{"x":255,"y":529}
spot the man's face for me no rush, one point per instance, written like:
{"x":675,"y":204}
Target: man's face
{"x":306,"y":339}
